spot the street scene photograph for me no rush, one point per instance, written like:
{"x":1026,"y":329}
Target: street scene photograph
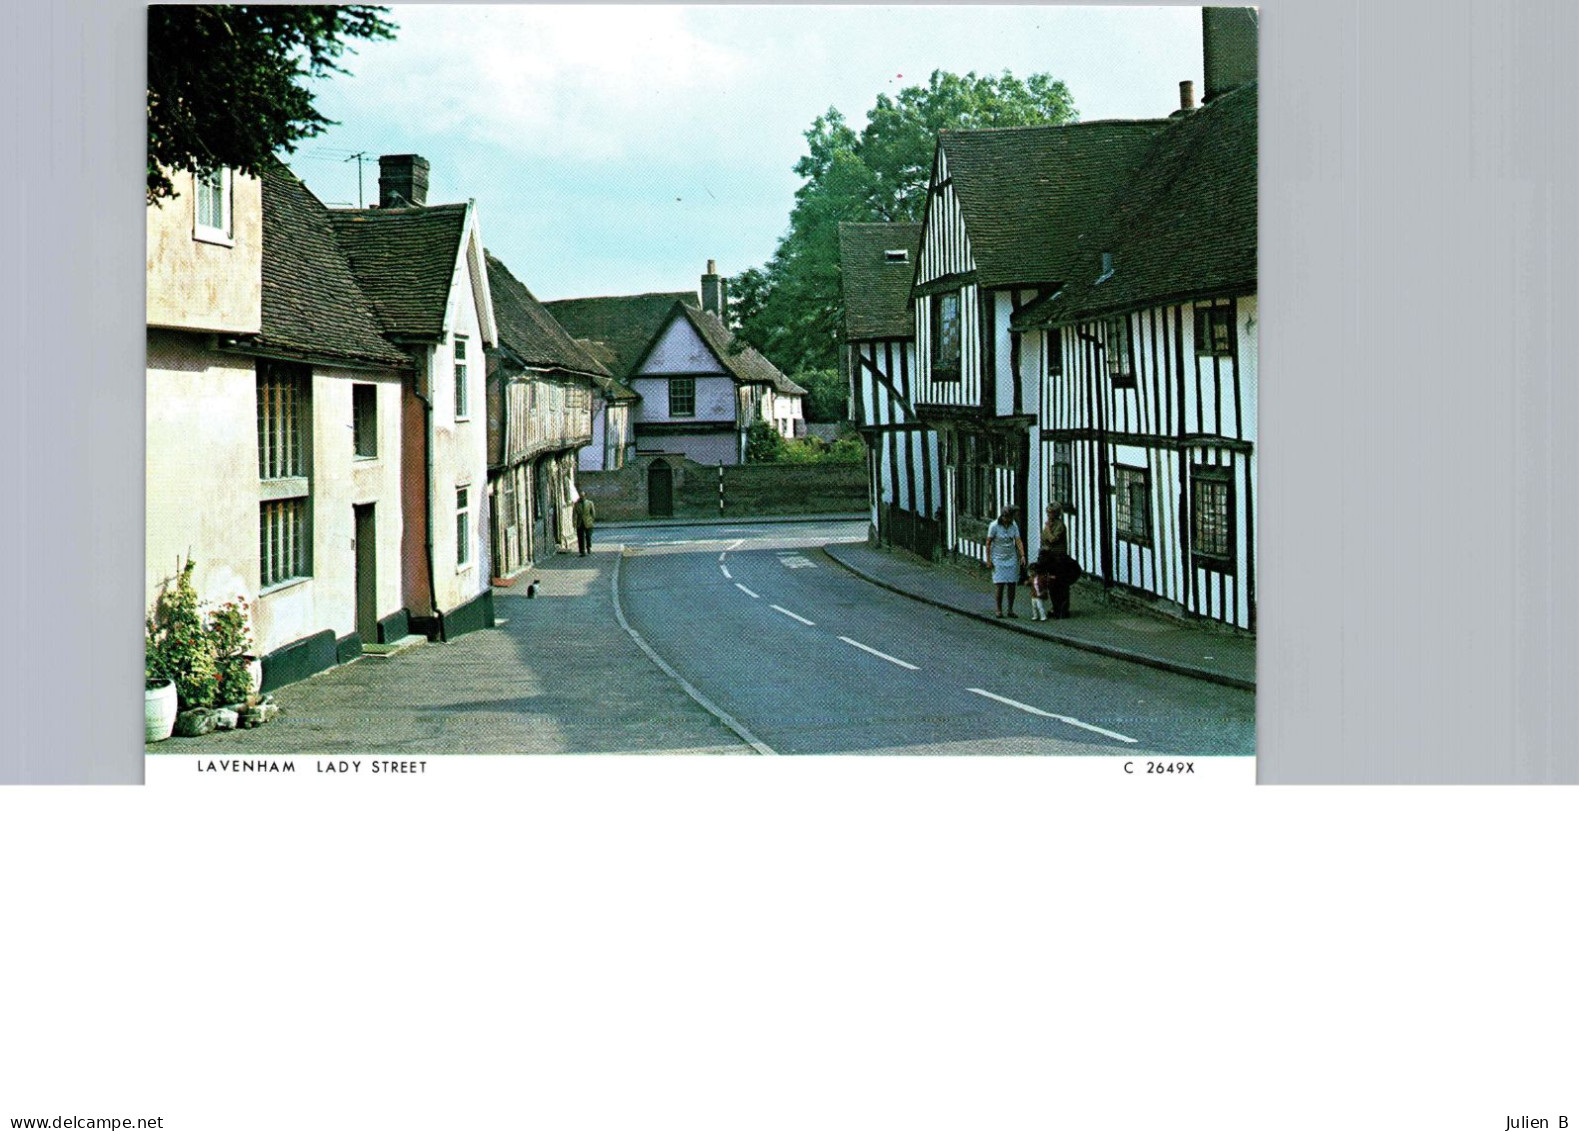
{"x":700,"y":379}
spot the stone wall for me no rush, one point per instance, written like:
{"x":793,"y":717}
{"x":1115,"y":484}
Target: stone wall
{"x":750,"y":490}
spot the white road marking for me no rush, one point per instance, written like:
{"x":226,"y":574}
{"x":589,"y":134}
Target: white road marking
{"x":797,"y":561}
{"x":706,"y":704}
{"x":879,"y":655}
{"x":747,"y":592}
{"x":725,"y":570}
{"x":794,"y":616}
{"x":722,"y":554}
{"x":1049,"y":715}
{"x":737,"y":543}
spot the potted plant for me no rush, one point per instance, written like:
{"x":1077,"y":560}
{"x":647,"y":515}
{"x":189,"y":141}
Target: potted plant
{"x":195,"y":658}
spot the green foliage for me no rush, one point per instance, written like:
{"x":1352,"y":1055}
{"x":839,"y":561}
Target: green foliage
{"x":812,"y":449}
{"x":827,"y":395}
{"x":206,"y":656}
{"x":763,"y":443}
{"x":790,"y":308}
{"x":225,"y":81}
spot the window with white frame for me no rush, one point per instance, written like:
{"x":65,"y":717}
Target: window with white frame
{"x":1132,"y":503}
{"x":284,"y":459}
{"x":364,"y":421}
{"x":682,"y":397}
{"x":212,"y":206}
{"x":463,"y":537}
{"x":462,"y":405}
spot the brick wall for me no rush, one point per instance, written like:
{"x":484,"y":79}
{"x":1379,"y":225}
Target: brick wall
{"x":750,"y":490}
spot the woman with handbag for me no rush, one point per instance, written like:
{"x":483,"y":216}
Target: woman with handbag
{"x":1006,"y":552}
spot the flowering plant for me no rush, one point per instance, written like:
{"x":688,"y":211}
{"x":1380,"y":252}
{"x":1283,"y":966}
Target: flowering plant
{"x":205,"y":654}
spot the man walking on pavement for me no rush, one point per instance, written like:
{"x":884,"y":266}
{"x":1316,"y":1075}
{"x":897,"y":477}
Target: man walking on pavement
{"x":582,"y":515}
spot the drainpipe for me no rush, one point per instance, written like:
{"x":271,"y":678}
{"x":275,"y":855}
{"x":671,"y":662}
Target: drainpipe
{"x":427,"y":487}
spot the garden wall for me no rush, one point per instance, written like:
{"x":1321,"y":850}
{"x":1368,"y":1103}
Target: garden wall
{"x":750,"y":490}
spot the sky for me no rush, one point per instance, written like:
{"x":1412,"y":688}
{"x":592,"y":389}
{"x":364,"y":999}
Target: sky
{"x":615,"y":149}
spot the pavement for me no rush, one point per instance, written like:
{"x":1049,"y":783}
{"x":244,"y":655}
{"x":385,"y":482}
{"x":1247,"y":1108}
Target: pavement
{"x":1096,"y":624}
{"x":607,"y":528}
{"x":558,"y":675}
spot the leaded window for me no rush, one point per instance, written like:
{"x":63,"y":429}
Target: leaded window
{"x":463,"y":537}
{"x":212,"y":190}
{"x":945,"y":326}
{"x":1214,"y":330}
{"x":462,"y":392}
{"x":1060,"y":479}
{"x":1120,"y":352}
{"x":1212,"y":516}
{"x":364,"y":421}
{"x":1132,"y":503}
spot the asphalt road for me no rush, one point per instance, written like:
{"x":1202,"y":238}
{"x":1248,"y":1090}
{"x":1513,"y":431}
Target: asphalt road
{"x":813,"y":660}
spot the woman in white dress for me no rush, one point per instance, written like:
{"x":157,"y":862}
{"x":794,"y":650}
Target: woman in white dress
{"x":1006,"y":552}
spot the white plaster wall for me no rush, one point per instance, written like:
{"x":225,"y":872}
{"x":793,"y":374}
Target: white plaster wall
{"x":460,"y":453}
{"x":715,"y":399}
{"x":1249,"y":361}
{"x":1003,"y":373}
{"x":202,"y":469}
{"x":592,"y":456}
{"x":680,"y":350}
{"x":195,"y":285}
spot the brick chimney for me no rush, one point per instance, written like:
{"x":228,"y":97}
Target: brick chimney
{"x":713,"y":290}
{"x":1187,"y":94}
{"x":402,"y":181}
{"x":1228,"y":48}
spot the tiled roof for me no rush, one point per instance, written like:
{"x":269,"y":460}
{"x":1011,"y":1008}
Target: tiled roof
{"x":1184,"y":225}
{"x":1030,"y":194}
{"x":312,"y":305}
{"x":601,"y":353}
{"x":405,"y":260}
{"x":625,"y":325}
{"x":877,"y":289}
{"x":530,"y":332}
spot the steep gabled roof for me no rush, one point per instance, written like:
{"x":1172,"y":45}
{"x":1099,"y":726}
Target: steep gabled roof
{"x":312,"y":305}
{"x":405,"y":260}
{"x":745,"y":364}
{"x":529,"y":332}
{"x":625,"y":325}
{"x":877,"y":289}
{"x":1029,"y":194}
{"x":1184,"y":225}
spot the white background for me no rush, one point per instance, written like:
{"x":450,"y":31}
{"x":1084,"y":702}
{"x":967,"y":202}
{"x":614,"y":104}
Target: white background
{"x":591,"y":943}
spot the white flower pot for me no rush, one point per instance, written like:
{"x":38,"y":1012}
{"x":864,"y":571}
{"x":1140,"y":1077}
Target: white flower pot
{"x":159,"y":714}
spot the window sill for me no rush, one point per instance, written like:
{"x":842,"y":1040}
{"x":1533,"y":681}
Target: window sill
{"x":287,"y":487}
{"x":213,"y":236}
{"x":281,"y":586}
{"x":1143,"y":541}
{"x":364,"y":459}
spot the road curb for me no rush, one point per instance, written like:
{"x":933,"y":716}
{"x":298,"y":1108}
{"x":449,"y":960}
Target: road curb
{"x":702,"y":701}
{"x":1112,"y":652}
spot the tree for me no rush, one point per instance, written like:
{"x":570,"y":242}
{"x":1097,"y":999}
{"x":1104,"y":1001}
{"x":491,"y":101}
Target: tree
{"x":827,"y":395}
{"x":789,"y":309}
{"x":225,"y":81}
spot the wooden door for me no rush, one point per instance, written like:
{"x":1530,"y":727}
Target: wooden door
{"x":366,"y":551}
{"x":660,"y":490}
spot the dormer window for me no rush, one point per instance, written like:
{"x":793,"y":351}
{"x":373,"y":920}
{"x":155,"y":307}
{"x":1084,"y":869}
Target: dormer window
{"x":212,"y":192}
{"x":897,"y":255}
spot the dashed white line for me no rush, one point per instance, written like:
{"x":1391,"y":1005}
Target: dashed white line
{"x":747,"y":592}
{"x":794,"y":616}
{"x":1049,"y":715}
{"x":722,"y":554}
{"x":725,"y":570}
{"x":880,"y":655}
